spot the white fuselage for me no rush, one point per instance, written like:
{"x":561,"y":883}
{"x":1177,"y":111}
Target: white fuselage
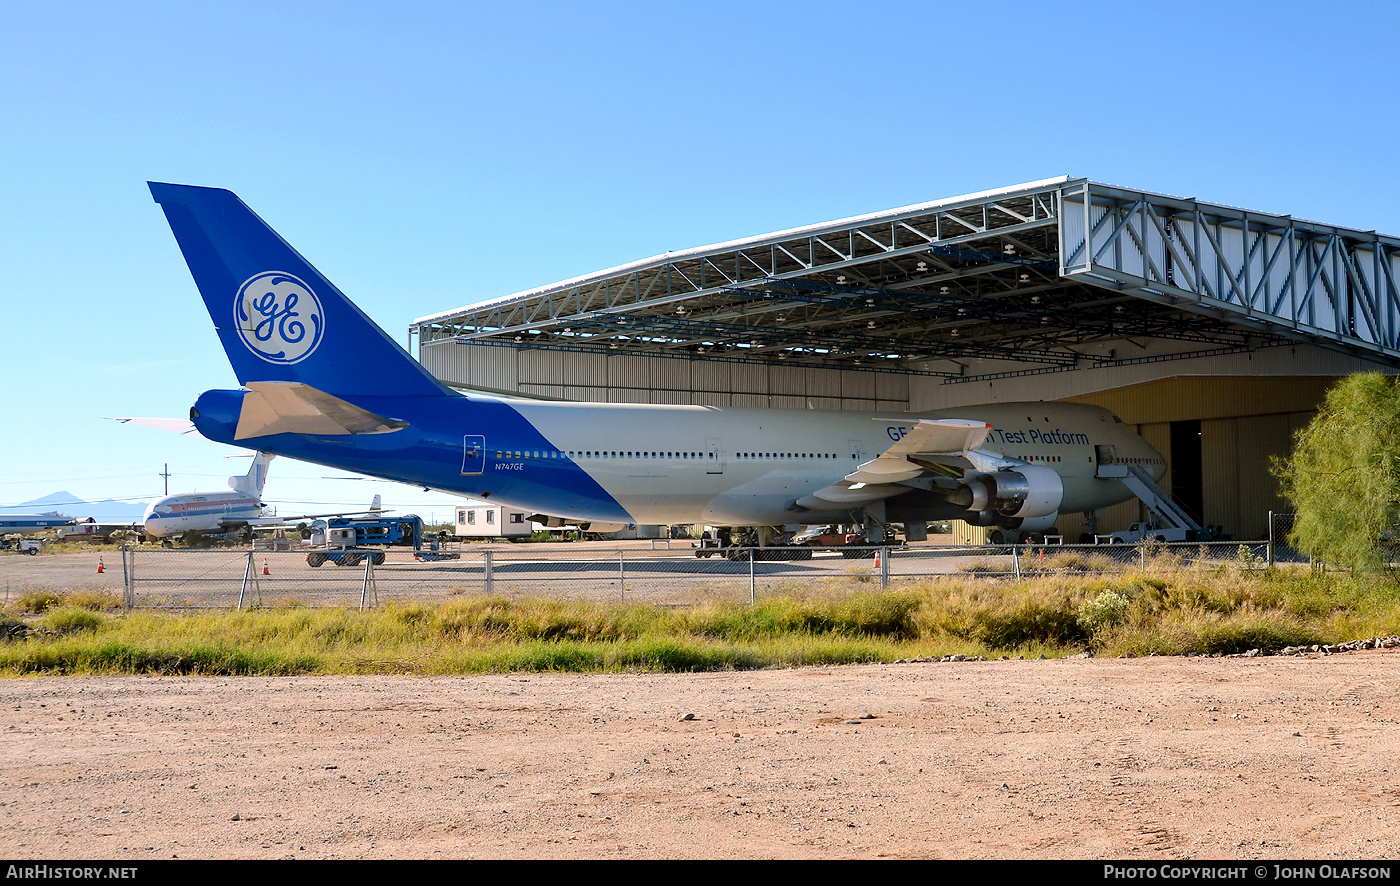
{"x":200,"y":512}
{"x":723,"y":466}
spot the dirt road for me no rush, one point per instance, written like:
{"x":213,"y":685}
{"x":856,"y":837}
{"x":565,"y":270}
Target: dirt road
{"x":1149,"y":758}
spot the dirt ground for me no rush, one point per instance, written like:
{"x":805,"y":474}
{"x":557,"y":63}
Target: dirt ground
{"x":1153,"y":759}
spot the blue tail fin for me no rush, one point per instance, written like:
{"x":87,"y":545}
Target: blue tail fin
{"x":277,"y":317}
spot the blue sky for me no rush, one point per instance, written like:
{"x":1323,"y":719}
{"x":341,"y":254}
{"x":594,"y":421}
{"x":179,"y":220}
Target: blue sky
{"x":430,"y":155}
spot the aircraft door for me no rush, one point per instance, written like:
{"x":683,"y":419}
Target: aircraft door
{"x":1106,"y":462}
{"x":473,"y":454}
{"x":714,"y":457}
{"x":857,"y":449}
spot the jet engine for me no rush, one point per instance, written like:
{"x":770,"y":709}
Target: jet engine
{"x":1027,"y":492}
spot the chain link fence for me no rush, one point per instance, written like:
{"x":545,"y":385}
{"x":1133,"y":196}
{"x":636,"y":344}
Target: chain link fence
{"x":230,"y":578}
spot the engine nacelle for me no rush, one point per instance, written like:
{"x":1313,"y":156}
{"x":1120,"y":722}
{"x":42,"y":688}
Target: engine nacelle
{"x":1033,"y":524}
{"x":1030,"y":491}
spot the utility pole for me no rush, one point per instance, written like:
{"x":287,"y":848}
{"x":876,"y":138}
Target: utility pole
{"x":166,"y":475}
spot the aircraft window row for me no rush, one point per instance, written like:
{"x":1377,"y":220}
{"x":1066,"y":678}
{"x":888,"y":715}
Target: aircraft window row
{"x":591,"y":453}
{"x":544,"y":453}
{"x":1040,"y":458}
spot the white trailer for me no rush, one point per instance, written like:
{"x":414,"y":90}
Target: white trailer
{"x":492,"y":521}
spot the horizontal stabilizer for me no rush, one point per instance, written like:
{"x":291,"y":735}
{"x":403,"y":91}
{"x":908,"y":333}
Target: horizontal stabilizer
{"x":279,"y":407}
{"x":174,"y":425}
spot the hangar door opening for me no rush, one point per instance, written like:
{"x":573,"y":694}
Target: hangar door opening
{"x":1187,"y":477}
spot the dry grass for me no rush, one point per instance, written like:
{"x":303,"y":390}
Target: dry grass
{"x":1194,"y":610}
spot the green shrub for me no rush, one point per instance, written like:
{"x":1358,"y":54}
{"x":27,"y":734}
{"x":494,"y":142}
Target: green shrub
{"x":38,"y":601}
{"x":1109,"y":608}
{"x":71,"y":619}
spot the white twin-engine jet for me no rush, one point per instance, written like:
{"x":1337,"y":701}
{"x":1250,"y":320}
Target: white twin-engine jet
{"x":322,"y":383}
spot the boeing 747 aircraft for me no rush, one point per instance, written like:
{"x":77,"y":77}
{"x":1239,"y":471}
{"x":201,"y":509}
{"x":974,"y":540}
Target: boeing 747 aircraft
{"x":322,"y":383}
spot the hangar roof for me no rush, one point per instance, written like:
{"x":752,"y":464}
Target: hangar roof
{"x":1042,"y":275}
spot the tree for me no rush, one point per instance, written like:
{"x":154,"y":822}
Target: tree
{"x":1343,"y":477}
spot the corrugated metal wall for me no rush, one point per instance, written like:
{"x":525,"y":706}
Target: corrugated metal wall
{"x":625,"y":378}
{"x":1245,"y":423}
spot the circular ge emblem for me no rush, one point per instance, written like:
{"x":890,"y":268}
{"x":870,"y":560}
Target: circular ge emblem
{"x":278,"y":317}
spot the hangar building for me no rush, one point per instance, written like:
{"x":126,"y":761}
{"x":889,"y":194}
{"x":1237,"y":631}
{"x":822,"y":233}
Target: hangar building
{"x":1214,"y":330}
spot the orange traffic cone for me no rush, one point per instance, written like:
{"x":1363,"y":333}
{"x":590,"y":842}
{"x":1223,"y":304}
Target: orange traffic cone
{"x":100,"y":568}
{"x":877,"y":558}
{"x":265,"y":572}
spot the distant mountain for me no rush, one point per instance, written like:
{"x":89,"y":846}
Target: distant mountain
{"x":52,"y":500}
{"x":107,"y":511}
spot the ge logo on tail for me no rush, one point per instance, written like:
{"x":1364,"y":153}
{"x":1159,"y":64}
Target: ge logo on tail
{"x":278,"y":317}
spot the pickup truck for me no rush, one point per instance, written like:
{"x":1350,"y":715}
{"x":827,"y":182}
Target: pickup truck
{"x":1140,"y":532}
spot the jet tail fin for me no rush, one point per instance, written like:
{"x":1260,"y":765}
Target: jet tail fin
{"x":252,"y":482}
{"x":278,"y":318}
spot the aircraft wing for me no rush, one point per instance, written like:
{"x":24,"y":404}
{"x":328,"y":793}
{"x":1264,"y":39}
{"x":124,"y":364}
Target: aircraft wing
{"x":924,"y":447}
{"x":374,"y":508}
{"x":229,"y":525}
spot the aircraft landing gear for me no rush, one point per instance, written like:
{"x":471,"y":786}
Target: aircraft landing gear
{"x":767,"y":542}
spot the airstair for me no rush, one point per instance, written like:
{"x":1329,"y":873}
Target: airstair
{"x":1139,"y":481}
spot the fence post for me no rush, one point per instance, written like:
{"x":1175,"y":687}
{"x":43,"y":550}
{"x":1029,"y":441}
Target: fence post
{"x":751,"y":579}
{"x":884,"y":568}
{"x":247,"y":571}
{"x":486,"y":570}
{"x":1016,"y":560}
{"x":1271,"y":539}
{"x":621,"y":578}
{"x":368,"y":587}
{"x":129,"y":597}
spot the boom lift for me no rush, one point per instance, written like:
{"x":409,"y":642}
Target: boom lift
{"x":340,"y":540}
